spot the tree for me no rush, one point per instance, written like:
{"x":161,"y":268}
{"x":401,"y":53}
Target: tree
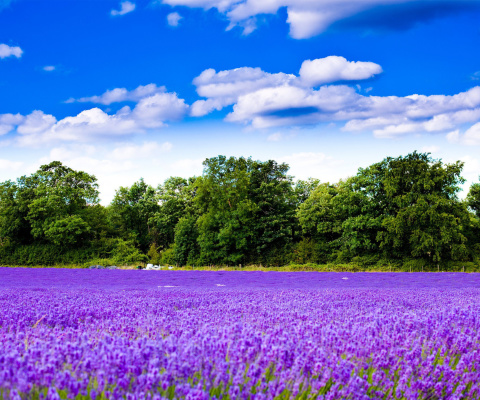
{"x":473,"y":199}
{"x":274,"y":222}
{"x":186,"y":247}
{"x":411,"y":203}
{"x":246,"y":210}
{"x":52,"y":205}
{"x":321,"y":217}
{"x":175,"y":198}
{"x":132,"y":210}
{"x":424,"y":218}
{"x":225,"y":210}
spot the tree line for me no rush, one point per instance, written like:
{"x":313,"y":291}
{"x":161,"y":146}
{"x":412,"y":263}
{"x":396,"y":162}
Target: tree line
{"x":241,"y":212}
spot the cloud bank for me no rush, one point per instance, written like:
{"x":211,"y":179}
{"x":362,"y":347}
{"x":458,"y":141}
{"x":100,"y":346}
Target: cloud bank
{"x":154,"y":107}
{"x":308,"y":18}
{"x":319,"y":94}
{"x":325,"y":90}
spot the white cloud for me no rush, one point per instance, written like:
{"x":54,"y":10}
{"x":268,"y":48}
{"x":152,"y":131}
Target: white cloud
{"x":306,"y":18}
{"x":471,"y":137}
{"x":8,"y":122}
{"x":476,"y":76}
{"x":224,"y":88}
{"x":125,"y":8}
{"x":263,"y":100}
{"x":49,"y":68}
{"x":36,"y":122}
{"x":10,"y":51}
{"x":150,"y":112}
{"x":454,"y":136}
{"x":174,"y":18}
{"x":333,"y":69}
{"x":121,"y":94}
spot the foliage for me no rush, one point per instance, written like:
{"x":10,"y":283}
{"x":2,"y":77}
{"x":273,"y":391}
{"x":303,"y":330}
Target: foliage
{"x":473,"y":199}
{"x":131,"y":212}
{"x":175,"y":198}
{"x":247,"y":212}
{"x":186,"y":248}
{"x":50,"y":206}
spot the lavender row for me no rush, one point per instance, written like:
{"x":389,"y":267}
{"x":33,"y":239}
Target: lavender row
{"x":239,"y":343}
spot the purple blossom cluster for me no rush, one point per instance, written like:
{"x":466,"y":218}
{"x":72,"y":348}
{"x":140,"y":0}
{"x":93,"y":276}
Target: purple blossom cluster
{"x":159,"y":335}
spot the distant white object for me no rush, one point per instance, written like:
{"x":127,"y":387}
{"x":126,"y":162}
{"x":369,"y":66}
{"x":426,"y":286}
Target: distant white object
{"x":345,"y":278}
{"x":168,"y":286}
{"x":170,"y":267}
{"x":149,"y":265}
{"x":219,"y":284}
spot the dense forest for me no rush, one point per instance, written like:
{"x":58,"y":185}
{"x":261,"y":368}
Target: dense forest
{"x":399,"y":211}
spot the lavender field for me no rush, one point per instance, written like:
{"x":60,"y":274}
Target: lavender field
{"x":93,"y":334}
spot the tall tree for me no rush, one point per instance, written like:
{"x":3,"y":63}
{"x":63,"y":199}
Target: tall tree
{"x":271,"y":190}
{"x":175,"y":198}
{"x":226,"y":211}
{"x":423,"y":217}
{"x":247,"y":210}
{"x":52,"y":205}
{"x":473,"y":199}
{"x":132,"y":211}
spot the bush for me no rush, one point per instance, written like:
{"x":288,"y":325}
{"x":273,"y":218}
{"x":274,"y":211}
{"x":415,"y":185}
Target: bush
{"x":154,"y":255}
{"x":167,"y":257}
{"x":117,"y":251}
{"x":46,"y":254}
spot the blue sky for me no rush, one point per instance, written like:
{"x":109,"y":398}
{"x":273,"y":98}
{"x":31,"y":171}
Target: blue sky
{"x":149,"y":89}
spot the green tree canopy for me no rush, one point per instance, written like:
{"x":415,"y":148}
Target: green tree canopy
{"x":473,"y":199}
{"x":51,"y":205}
{"x":132,"y":211}
{"x":175,"y":198}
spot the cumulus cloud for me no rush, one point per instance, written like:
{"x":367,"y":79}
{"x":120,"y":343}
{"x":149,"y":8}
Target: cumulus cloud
{"x":471,"y":137}
{"x":320,"y":94}
{"x":151,"y":111}
{"x":8,"y":122}
{"x":334,"y":69}
{"x":125,"y":8}
{"x":118,"y":95}
{"x":308,"y":18}
{"x":10,"y":51}
{"x":225,"y":87}
{"x":173,"y":19}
